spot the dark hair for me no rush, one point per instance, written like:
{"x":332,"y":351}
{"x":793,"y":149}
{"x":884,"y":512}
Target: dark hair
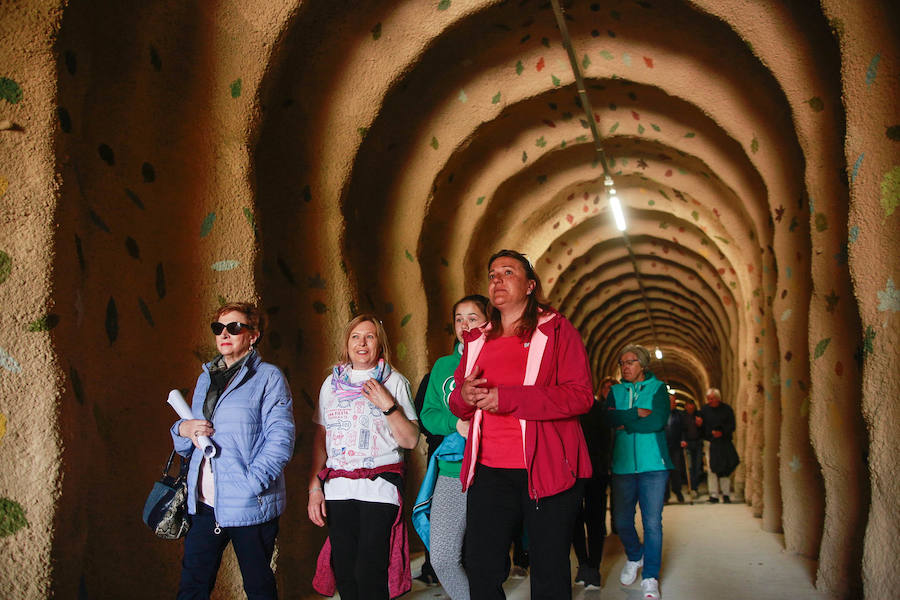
{"x":528,"y":321}
{"x":255,"y":319}
{"x":478,"y":300}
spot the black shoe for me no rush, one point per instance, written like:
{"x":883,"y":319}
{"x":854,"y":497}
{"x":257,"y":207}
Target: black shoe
{"x":681,"y":498}
{"x":713,"y":500}
{"x":592,"y":579}
{"x":726,"y":499}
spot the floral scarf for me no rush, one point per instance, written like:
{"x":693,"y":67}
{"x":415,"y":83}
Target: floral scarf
{"x":345,"y":390}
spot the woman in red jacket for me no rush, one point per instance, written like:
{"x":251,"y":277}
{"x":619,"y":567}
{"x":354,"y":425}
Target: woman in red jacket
{"x":522,"y":381}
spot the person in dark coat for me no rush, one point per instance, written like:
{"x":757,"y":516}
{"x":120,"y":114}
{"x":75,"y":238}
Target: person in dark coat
{"x":691,"y":438}
{"x":588,"y":544}
{"x":717,"y":419}
{"x":432,"y":441}
{"x":673,"y":441}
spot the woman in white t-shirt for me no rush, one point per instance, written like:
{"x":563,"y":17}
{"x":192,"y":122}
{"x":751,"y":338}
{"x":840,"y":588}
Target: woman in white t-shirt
{"x":364,"y":420}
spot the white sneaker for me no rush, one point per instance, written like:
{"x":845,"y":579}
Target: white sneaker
{"x":629,"y":571}
{"x":650,"y":589}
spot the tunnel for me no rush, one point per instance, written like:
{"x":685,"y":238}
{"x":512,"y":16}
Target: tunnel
{"x":326,"y":158}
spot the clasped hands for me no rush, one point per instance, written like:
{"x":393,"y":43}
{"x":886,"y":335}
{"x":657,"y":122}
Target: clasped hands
{"x":474,"y":394}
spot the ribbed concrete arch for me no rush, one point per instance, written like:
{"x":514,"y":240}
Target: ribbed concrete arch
{"x":329,"y":157}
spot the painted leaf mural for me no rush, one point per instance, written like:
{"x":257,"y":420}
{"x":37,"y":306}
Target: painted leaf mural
{"x":12,"y":517}
{"x":5,"y":266}
{"x":10,"y":90}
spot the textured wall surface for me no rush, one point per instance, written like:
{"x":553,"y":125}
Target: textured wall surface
{"x":326,"y":157}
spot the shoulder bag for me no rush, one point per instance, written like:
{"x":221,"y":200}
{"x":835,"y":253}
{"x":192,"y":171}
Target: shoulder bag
{"x":165,"y":511}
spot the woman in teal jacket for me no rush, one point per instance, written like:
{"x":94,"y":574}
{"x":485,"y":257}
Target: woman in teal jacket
{"x":639,"y":410}
{"x":448,"y":510}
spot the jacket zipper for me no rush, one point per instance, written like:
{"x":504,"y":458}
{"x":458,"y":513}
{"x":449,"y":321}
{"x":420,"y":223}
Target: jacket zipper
{"x":218,"y":529}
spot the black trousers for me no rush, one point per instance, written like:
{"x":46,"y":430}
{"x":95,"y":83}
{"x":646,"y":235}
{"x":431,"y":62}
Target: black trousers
{"x":203,"y":548}
{"x":360,"y":535}
{"x":676,"y":475}
{"x":497,"y":505}
{"x":592,"y":516}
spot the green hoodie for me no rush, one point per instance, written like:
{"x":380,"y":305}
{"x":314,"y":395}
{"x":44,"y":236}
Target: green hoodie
{"x":641,"y":446}
{"x":436,"y":415}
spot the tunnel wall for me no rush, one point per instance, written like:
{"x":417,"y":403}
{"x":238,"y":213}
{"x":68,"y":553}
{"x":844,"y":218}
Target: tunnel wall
{"x":161,"y":159}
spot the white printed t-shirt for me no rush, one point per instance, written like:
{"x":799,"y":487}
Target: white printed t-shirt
{"x":358,"y":436}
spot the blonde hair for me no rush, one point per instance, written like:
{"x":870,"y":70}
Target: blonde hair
{"x":384,"y":350}
{"x":714,"y":392}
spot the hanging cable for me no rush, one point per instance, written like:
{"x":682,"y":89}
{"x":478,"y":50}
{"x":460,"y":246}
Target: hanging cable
{"x":600,"y":155}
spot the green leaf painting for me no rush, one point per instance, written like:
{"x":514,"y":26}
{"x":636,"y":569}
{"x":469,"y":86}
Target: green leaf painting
{"x":520,"y":68}
{"x":12,"y":517}
{"x":235,"y":88}
{"x":890,"y":191}
{"x":816,"y":104}
{"x":872,"y":70}
{"x":45,"y":323}
{"x":10,"y":90}
{"x":434,"y":142}
{"x":5,"y":266}
{"x":496,"y":98}
{"x":555,"y":80}
{"x":145,"y":310}
{"x":820,"y":347}
{"x":405,"y":319}
{"x":443,"y":5}
{"x":207,"y":224}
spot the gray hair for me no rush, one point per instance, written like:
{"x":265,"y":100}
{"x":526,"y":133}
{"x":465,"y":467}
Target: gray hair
{"x":643,"y":355}
{"x":714,"y":392}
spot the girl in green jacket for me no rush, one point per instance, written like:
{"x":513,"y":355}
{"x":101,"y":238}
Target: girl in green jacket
{"x":448,"y":504}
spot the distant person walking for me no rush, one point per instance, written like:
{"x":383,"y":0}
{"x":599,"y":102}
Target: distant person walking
{"x":692,"y":441}
{"x":588,"y":545}
{"x":718,"y":423}
{"x":674,"y":435}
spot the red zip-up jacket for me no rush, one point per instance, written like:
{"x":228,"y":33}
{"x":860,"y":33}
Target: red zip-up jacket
{"x":556,"y":388}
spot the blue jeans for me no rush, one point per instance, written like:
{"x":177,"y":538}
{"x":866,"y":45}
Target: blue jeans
{"x":649,"y":490}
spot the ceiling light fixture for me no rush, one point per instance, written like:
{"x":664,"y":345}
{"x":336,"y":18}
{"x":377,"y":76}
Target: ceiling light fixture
{"x":658,"y":353}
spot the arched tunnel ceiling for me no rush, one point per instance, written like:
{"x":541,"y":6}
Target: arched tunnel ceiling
{"x":477,"y":140}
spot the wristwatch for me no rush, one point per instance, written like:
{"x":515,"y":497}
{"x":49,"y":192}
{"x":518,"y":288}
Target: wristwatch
{"x":391,"y":409}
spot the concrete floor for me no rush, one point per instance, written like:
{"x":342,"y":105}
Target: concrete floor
{"x":709,"y":551}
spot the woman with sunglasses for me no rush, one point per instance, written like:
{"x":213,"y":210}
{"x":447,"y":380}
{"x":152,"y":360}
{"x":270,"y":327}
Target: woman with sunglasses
{"x":244,"y":405}
{"x":365,"y":421}
{"x":639,"y":410}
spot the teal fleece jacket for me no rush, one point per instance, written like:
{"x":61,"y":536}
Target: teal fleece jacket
{"x":641,"y":446}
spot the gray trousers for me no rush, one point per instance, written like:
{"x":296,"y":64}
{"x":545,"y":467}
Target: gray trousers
{"x":448,"y":527}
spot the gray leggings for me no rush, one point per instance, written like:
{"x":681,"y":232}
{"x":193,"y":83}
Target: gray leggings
{"x":448,"y":527}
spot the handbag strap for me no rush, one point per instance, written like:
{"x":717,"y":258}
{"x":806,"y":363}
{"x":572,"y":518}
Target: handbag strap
{"x":182,"y":471}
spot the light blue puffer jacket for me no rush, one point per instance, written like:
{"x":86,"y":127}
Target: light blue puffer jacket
{"x":254,"y":438}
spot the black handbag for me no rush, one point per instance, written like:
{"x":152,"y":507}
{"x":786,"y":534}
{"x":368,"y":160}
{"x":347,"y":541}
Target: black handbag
{"x":165,"y":511}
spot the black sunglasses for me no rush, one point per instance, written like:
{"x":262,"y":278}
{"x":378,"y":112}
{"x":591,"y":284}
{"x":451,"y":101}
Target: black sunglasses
{"x":234,"y":328}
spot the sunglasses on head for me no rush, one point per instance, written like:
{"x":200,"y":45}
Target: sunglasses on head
{"x":234,"y":328}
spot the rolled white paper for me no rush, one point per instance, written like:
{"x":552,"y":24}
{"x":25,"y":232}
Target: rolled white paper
{"x":184,"y":411}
